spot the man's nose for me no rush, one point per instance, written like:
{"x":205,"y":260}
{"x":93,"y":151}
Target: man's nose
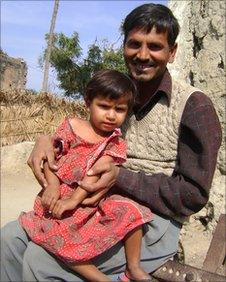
{"x":143,"y":53}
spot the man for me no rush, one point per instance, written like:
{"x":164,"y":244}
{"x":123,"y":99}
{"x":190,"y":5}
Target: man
{"x":173,"y":138}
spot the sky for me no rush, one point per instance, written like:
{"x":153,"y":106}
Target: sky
{"x":25,"y":23}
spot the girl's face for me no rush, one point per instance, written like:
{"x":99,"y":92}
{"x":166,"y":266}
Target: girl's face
{"x":107,"y":114}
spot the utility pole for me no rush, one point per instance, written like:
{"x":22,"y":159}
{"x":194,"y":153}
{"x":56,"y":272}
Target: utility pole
{"x":49,"y":46}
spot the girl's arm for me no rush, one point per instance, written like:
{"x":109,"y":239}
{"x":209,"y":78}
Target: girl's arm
{"x":50,"y":176}
{"x":79,"y":194}
{"x":52,"y":191}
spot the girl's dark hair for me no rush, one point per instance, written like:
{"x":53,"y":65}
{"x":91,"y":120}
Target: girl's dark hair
{"x":151,"y":15}
{"x":111,"y":84}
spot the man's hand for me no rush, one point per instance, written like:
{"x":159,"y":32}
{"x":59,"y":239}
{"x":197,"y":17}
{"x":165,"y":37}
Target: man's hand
{"x":43,"y":150}
{"x":50,"y":197}
{"x":108,"y":174}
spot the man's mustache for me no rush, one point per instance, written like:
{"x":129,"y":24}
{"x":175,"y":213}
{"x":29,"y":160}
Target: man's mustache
{"x":143,"y":63}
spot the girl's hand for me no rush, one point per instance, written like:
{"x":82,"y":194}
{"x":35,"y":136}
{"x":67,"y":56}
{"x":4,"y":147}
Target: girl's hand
{"x":95,"y":198}
{"x":50,"y":197}
{"x":63,"y":205}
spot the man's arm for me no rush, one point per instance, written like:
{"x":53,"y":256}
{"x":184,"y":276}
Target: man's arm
{"x":187,"y":190}
{"x":43,"y":150}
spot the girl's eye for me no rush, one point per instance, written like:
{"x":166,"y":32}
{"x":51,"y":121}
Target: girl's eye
{"x":104,"y":106}
{"x":121,"y":110}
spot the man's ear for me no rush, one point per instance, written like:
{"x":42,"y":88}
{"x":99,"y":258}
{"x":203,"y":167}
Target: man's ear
{"x":173,"y":52}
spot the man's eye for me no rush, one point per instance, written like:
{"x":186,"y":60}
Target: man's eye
{"x":133,"y":44}
{"x":154,"y":47}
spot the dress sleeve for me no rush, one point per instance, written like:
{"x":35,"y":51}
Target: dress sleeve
{"x":116,"y":149}
{"x":60,"y":138}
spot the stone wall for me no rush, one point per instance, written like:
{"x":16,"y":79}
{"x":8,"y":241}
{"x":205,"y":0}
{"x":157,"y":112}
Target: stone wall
{"x":200,"y":61}
{"x":13,"y":73}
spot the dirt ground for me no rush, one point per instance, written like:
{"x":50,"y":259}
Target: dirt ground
{"x":17,"y":194}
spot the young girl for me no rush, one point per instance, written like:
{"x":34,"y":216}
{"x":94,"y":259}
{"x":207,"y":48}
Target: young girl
{"x":59,"y":222}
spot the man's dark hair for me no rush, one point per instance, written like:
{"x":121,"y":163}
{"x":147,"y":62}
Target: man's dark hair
{"x":111,"y":84}
{"x":151,"y":15}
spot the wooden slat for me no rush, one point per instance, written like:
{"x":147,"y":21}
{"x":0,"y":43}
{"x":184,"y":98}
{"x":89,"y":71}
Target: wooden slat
{"x":217,"y":250}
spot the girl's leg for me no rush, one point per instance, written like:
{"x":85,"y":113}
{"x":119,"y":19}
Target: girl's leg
{"x":132,"y":245}
{"x":90,"y":272}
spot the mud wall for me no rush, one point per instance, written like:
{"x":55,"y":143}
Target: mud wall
{"x":13,"y":73}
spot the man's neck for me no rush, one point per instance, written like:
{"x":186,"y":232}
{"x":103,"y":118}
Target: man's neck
{"x":147,"y":89}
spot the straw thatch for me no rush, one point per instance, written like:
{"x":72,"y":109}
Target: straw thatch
{"x":24,"y":115}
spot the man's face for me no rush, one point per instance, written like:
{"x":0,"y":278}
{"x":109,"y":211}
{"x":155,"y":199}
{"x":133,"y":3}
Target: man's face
{"x":147,"y":54}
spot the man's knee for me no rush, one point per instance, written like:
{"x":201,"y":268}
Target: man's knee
{"x":7,"y":233}
{"x":30,"y":263}
{"x":33,"y":254}
{"x":13,"y":236}
{"x":13,"y":245}
{"x":39,"y":265}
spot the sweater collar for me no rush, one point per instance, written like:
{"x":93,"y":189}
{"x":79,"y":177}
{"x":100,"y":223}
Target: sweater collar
{"x":166,"y":85}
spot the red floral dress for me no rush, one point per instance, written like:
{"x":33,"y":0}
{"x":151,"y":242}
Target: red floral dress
{"x":84,"y":232}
